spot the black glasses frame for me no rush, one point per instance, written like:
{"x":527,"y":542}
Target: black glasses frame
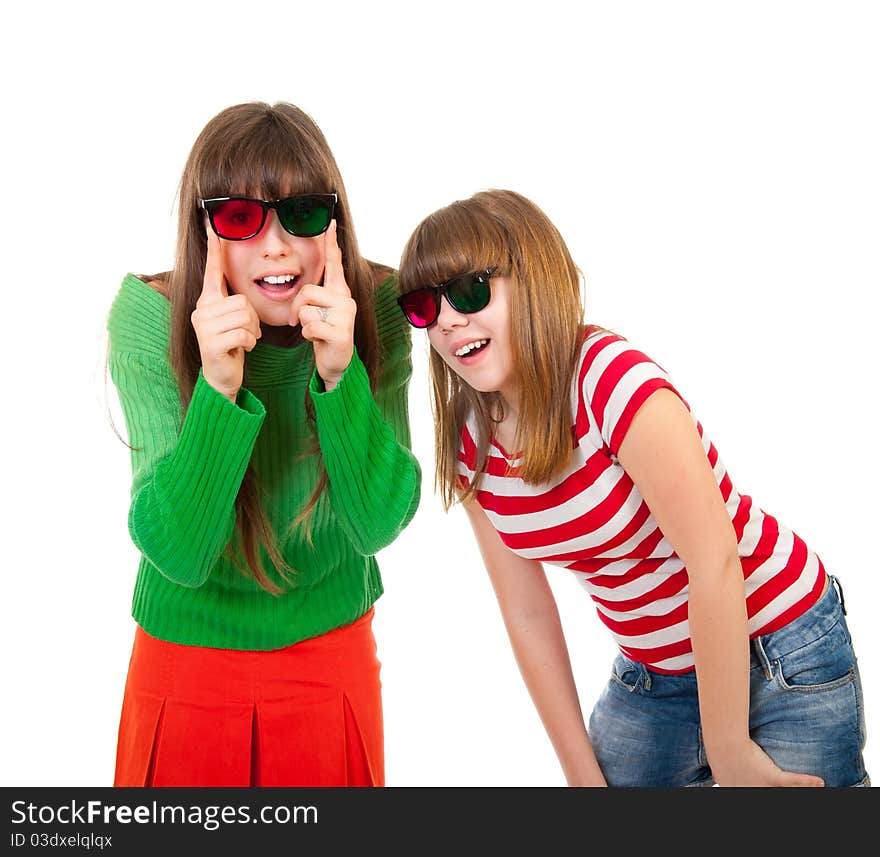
{"x":442,"y":289}
{"x":210,"y":204}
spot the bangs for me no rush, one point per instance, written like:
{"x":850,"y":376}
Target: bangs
{"x":458,"y":239}
{"x":265,"y":160}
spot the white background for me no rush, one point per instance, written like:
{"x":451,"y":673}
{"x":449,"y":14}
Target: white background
{"x":712,"y":166}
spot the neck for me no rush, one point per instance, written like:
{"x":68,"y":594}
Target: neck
{"x":285,"y":337}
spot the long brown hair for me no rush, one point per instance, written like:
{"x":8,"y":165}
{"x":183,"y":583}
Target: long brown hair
{"x":268,"y":151}
{"x":502,"y":229}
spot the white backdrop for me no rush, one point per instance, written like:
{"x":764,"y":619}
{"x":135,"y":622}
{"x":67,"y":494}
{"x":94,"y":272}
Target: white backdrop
{"x":713,"y":167}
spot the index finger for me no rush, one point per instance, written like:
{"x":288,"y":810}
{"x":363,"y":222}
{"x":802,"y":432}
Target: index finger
{"x":334,"y":275}
{"x":214,"y":283}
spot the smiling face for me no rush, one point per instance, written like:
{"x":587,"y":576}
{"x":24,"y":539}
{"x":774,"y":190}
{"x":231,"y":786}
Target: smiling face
{"x":267,"y":152}
{"x":476,"y":346}
{"x":270,"y":269}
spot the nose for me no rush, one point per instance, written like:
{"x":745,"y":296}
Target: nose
{"x":449,"y":316}
{"x":274,"y":238}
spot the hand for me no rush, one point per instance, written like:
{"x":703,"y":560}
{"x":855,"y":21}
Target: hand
{"x":333,"y":334}
{"x":226,"y":326}
{"x":749,"y":765}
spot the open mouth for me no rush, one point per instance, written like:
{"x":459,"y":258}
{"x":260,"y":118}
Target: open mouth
{"x":280,"y":287}
{"x":470,"y":352}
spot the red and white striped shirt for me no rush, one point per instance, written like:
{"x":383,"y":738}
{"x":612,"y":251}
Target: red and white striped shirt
{"x":593,"y":521}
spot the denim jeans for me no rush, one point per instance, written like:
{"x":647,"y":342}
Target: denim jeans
{"x":805,"y":711}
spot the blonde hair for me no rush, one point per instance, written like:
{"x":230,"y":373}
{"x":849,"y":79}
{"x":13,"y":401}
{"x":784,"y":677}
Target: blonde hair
{"x":503,"y":230}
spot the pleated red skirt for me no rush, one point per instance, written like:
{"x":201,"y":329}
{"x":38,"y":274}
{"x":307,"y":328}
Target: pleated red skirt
{"x":306,"y":715}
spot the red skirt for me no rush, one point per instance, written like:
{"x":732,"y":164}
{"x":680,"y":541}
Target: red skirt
{"x":306,"y":715}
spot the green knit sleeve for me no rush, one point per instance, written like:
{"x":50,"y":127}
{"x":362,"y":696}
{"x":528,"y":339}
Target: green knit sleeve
{"x":185,"y":476}
{"x":375,"y":480}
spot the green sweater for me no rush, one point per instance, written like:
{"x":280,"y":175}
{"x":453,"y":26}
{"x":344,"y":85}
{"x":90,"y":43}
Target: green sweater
{"x":186,"y":475}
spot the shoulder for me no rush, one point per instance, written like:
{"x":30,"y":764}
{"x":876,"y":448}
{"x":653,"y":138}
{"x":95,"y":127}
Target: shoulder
{"x":390,"y":322}
{"x":614,"y":380}
{"x":607,"y":358}
{"x":597,"y":340}
{"x":382,"y":274}
{"x":157,"y":282}
{"x":140,"y":316}
{"x":384,"y":283}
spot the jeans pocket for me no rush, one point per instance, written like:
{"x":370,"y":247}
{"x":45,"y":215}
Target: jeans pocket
{"x":625,"y":673}
{"x":823,"y":664}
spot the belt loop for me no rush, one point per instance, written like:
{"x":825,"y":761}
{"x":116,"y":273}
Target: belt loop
{"x":839,"y":589}
{"x":762,"y":657}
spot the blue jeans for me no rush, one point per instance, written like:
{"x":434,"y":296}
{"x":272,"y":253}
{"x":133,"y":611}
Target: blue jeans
{"x":805,"y":710}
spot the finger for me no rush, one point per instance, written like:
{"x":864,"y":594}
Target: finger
{"x":233,"y":339}
{"x":334,"y":275}
{"x":314,"y":328}
{"x":214,"y":283}
{"x":311,"y":316}
{"x":245,"y":319}
{"x":801,"y":780}
{"x":309,"y":295}
{"x":210,"y":308}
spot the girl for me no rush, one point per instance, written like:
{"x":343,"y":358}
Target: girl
{"x":567,"y":445}
{"x":263,"y":383}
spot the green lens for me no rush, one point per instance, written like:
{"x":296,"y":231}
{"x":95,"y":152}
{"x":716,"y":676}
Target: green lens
{"x":305,"y":216}
{"x":469,"y":293}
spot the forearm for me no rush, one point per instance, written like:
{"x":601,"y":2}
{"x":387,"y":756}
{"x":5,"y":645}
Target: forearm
{"x":374,"y":478}
{"x":719,"y":633}
{"x":183,"y":512}
{"x":542,"y":655}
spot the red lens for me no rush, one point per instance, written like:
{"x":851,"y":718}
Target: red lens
{"x":420,"y":307}
{"x":237,"y":218}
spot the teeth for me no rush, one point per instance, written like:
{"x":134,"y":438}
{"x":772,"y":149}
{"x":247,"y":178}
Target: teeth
{"x":277,"y":281}
{"x":466,"y":349}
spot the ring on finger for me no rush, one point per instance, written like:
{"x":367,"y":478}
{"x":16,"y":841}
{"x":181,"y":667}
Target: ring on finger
{"x":324,"y":312}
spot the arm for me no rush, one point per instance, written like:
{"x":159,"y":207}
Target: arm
{"x":663,"y":455}
{"x":374,"y":478}
{"x":185,"y":478}
{"x":532,"y":621}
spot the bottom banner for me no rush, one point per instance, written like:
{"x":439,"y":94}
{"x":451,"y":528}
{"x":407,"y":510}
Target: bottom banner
{"x":131,"y":821}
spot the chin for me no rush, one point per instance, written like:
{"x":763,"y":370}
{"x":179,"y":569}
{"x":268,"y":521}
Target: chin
{"x":481,"y":385}
{"x":269,"y":320}
{"x":276,"y":314}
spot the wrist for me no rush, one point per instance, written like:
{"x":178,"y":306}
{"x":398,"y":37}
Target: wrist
{"x":226,"y":392}
{"x":331,"y":379}
{"x":231,"y":395}
{"x":332,"y":376}
{"x":723,"y":750}
{"x":583,"y":770}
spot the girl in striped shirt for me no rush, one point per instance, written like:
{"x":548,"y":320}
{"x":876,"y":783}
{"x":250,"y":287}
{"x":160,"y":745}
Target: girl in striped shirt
{"x":568,"y":446}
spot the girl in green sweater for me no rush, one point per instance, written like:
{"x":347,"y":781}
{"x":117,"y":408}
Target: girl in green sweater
{"x":264,"y":386}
